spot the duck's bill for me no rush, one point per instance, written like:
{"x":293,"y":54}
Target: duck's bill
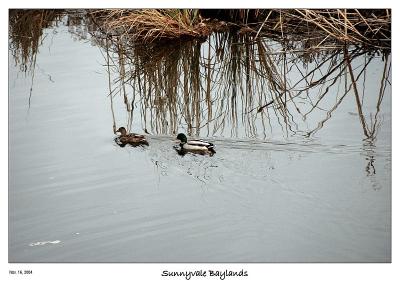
{"x":118,"y":133}
{"x":176,"y":140}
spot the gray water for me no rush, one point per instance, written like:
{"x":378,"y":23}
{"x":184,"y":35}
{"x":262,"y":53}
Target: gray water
{"x":76,"y":196}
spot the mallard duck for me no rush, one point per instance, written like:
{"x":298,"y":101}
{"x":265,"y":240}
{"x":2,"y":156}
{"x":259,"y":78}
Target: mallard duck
{"x":194,"y":146}
{"x":129,"y":138}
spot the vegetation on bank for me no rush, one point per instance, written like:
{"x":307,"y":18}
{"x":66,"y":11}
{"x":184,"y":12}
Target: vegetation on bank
{"x":371,"y":28}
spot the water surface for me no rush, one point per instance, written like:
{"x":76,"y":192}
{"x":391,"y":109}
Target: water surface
{"x":281,"y":188}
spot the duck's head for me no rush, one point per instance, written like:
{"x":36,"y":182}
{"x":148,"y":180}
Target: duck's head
{"x":182,"y":137}
{"x":121,"y":131}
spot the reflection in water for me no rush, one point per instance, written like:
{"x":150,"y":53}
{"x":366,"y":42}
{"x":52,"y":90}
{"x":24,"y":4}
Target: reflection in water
{"x":233,"y":83}
{"x":369,"y":150}
{"x":199,"y":167}
{"x":232,"y":80}
{"x":303,"y":163}
{"x":44,"y":243}
{"x":26,"y":35}
{"x":230,"y":84}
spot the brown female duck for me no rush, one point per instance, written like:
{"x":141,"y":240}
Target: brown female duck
{"x":129,"y":138}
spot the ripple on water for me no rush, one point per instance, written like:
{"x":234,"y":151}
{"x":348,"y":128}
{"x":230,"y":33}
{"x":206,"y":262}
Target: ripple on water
{"x":44,"y":243}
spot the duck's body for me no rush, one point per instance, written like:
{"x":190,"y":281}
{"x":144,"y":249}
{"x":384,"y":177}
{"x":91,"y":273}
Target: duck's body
{"x":194,"y":146}
{"x":130,"y":138}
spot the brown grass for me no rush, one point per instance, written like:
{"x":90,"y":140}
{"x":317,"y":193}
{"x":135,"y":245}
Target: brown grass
{"x":371,"y":28}
{"x":151,"y":24}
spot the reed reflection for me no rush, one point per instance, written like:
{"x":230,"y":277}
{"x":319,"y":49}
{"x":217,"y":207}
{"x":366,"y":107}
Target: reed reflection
{"x":238,"y":83}
{"x":236,"y":86}
{"x":233,"y":85}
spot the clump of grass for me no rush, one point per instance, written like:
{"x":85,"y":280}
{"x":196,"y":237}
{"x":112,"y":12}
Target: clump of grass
{"x":150,"y":24}
{"x":371,"y":28}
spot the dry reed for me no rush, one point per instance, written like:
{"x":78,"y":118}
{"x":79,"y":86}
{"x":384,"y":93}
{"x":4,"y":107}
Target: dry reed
{"x":151,"y":24}
{"x":371,"y":28}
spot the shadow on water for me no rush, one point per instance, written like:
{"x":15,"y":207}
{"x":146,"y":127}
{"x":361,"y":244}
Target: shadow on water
{"x":230,"y":84}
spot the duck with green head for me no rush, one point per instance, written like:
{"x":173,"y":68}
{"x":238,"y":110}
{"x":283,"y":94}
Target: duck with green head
{"x":193,"y":146}
{"x":132,"y":139}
